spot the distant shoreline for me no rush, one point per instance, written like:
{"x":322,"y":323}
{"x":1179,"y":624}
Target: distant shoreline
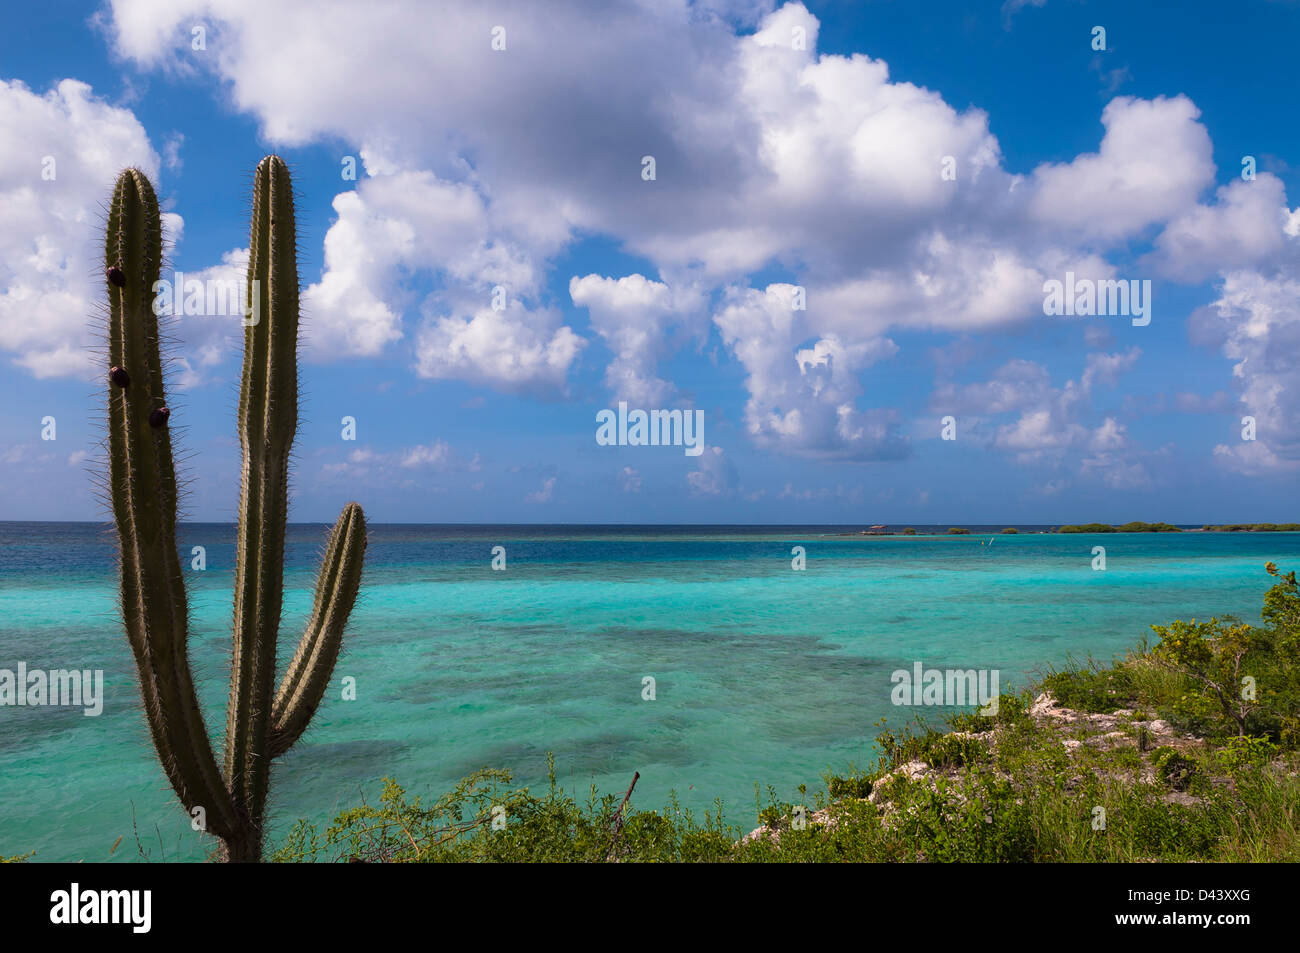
{"x":1081,"y":528}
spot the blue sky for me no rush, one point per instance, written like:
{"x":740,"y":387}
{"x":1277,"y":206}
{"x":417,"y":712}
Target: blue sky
{"x":795,"y":145}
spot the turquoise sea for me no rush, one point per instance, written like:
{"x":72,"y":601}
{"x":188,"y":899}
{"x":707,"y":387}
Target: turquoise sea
{"x":763,"y":674}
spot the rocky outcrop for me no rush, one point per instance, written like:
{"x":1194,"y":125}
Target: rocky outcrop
{"x":1123,"y":728}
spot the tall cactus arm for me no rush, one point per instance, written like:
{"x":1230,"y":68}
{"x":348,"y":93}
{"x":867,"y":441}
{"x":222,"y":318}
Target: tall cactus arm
{"x":260,"y":724}
{"x":309,"y":672}
{"x":268,"y":418}
{"x":142,"y":480}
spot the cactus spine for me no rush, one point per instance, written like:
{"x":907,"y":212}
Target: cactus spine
{"x":261,"y":722}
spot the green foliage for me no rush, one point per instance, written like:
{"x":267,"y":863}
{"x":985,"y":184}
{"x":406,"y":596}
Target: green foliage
{"x":262,"y":724}
{"x":958,"y":531}
{"x":1220,"y":679}
{"x":852,"y":786}
{"x":1254,"y":528}
{"x":1213,"y":654}
{"x":1175,"y":831}
{"x":936,"y":748}
{"x":399,"y":829}
{"x":773,"y":815}
{"x":910,"y":531}
{"x":1091,"y":689}
{"x":1173,"y":768}
{"x":1260,"y":826}
{"x":976,"y":819}
{"x":1012,"y":712}
{"x":1130,"y":758}
{"x":1282,"y":608}
{"x":458,"y":827}
{"x":1037,"y":808}
{"x":1242,"y":754}
{"x":1010,"y":531}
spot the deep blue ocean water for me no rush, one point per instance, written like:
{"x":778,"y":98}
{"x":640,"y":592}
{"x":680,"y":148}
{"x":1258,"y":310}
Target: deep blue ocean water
{"x":763,"y":674}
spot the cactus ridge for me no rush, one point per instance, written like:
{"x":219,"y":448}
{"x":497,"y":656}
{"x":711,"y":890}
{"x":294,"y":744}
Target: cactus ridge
{"x":261,"y":722}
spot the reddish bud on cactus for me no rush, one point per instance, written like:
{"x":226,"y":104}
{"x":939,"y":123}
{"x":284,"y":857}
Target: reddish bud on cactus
{"x":117,"y":277}
{"x":159,"y":417}
{"x":119,"y":377}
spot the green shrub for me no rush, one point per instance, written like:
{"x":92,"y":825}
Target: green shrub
{"x":1153,"y":828}
{"x":936,"y":748}
{"x":1173,"y":768}
{"x":976,"y":819}
{"x":1013,"y":710}
{"x":1213,"y":654}
{"x":1099,"y":691}
{"x":1244,"y":753}
{"x":840,"y":787}
{"x":773,"y":816}
{"x":1128,"y":758}
{"x":955,"y":751}
{"x":1282,"y":608}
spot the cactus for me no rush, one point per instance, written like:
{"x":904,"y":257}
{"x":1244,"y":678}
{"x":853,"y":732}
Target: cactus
{"x":262,"y":723}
